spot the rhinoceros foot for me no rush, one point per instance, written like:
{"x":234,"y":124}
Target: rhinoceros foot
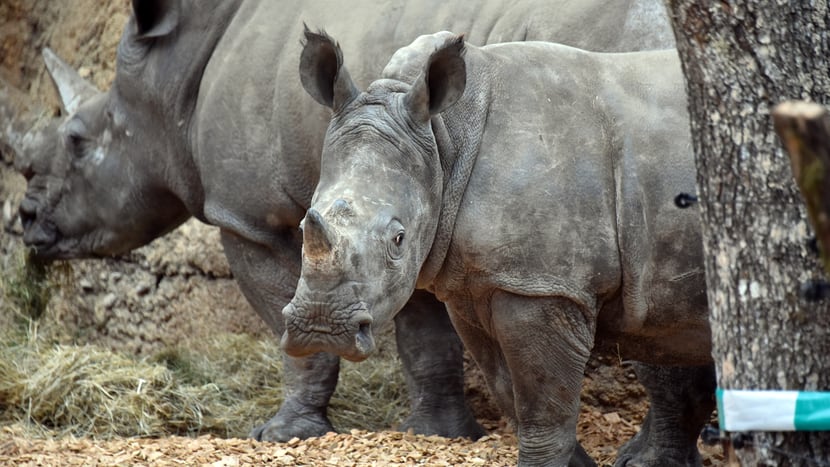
{"x":293,"y":421}
{"x":631,"y":456}
{"x":681,"y":400}
{"x":450,"y":418}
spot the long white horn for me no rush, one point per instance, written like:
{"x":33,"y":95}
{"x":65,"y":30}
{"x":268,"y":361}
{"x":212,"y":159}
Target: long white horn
{"x":72,"y":88}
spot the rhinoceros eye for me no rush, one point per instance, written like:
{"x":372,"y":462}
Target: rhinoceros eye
{"x":394,"y":247}
{"x":395,"y":250}
{"x":74,"y":138}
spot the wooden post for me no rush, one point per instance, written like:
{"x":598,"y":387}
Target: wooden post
{"x":804,"y":129}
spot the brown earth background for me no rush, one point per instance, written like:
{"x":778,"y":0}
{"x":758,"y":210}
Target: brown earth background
{"x":180,"y":289}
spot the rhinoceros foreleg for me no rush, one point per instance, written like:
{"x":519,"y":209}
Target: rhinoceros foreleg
{"x":308,"y":384}
{"x":432,"y":357}
{"x":533,"y":354}
{"x":681,"y":399}
{"x":268,"y":278}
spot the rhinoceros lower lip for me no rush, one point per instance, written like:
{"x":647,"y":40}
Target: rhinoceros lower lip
{"x":60,"y":248}
{"x":48,"y":252}
{"x":43,"y":241}
{"x":356,"y":349}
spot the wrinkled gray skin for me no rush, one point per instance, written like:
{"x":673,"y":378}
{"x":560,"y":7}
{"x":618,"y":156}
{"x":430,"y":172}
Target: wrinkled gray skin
{"x":530,"y":187}
{"x":206,"y":118}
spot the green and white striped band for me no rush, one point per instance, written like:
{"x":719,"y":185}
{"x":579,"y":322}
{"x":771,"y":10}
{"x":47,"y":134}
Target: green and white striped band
{"x":749,"y":410}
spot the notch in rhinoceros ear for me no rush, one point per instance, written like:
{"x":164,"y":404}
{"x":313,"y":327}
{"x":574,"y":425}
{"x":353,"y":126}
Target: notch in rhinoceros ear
{"x":72,"y":88}
{"x":156,"y":18}
{"x":442,"y":81}
{"x":317,"y":237}
{"x":322,"y":72}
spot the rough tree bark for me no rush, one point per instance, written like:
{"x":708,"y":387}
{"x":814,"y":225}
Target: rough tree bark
{"x":740,"y":58}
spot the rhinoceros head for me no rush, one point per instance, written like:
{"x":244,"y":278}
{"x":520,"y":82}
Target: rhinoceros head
{"x":374,"y":214}
{"x":91,"y":184}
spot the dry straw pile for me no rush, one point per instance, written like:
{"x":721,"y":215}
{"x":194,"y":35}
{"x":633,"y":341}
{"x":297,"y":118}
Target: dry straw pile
{"x":49,"y":386}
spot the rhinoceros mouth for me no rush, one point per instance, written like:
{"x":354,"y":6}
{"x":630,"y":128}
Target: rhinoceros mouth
{"x":46,"y":242}
{"x":51,"y":251}
{"x":43,"y":239}
{"x":350,"y":337}
{"x":358,"y":350}
{"x":43,"y":236}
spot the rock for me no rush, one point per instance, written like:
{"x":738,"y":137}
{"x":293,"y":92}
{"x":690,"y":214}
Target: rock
{"x":108,"y":301}
{"x":7,"y":213}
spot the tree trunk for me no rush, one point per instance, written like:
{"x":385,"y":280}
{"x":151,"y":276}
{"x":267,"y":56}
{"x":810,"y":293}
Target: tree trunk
{"x":740,"y":58}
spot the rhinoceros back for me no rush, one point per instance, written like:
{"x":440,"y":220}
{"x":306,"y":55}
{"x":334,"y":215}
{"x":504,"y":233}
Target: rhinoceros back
{"x":572,"y":192}
{"x":258,"y":136}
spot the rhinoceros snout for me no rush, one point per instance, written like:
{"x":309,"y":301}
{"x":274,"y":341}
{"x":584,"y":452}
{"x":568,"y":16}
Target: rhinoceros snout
{"x":39,"y":235}
{"x":349,"y":337}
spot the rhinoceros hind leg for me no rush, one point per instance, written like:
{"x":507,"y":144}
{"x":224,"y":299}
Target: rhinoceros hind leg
{"x":308,"y":386}
{"x":681,"y":401}
{"x":532,"y":354}
{"x":433,"y":364}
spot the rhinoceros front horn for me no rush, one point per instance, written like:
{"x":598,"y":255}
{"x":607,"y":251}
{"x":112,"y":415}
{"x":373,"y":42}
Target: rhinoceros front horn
{"x":72,"y":88}
{"x":317,"y":237}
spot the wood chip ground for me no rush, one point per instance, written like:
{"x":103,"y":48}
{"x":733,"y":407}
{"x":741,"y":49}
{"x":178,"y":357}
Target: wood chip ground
{"x":600,"y":433}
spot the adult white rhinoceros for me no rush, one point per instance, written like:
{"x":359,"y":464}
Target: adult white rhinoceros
{"x":530,"y":186}
{"x":206,"y":118}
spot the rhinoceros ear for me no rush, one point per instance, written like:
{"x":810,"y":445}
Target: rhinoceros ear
{"x":322,"y":72}
{"x":441,"y":82}
{"x":156,"y":18}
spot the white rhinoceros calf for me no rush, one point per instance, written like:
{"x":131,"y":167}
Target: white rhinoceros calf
{"x":530,"y":186}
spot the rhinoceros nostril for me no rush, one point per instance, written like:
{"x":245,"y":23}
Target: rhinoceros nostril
{"x":27,"y":212}
{"x":364,"y":342}
{"x":365,"y":326}
{"x":27,"y":172}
